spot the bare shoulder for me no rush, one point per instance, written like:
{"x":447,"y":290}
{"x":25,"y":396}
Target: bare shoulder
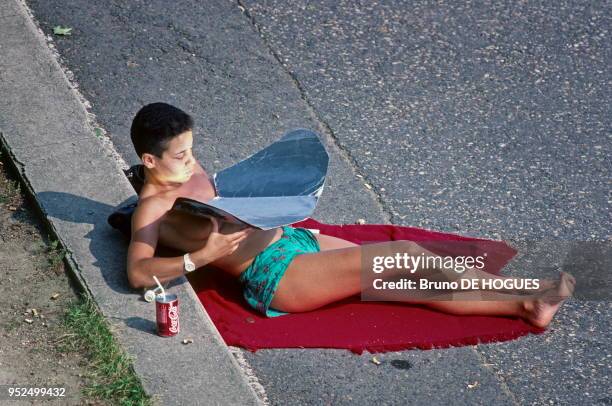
{"x":149,"y":210}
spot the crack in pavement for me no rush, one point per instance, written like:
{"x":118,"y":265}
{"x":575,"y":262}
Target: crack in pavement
{"x":348,"y":157}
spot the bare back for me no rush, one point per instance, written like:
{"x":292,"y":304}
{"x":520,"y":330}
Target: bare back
{"x":188,"y":233}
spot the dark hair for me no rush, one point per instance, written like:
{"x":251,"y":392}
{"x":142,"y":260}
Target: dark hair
{"x":155,"y":124}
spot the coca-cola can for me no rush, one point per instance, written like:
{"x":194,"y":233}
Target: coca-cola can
{"x":167,"y":315}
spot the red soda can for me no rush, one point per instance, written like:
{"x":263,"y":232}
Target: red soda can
{"x":167,"y":315}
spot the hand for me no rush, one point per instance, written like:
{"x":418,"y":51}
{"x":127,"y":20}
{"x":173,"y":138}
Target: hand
{"x":220,"y":245}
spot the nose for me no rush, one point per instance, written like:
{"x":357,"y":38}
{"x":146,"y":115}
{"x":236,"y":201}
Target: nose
{"x":191,"y":161}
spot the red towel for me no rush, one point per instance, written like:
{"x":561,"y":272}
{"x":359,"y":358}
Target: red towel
{"x":351,"y":323}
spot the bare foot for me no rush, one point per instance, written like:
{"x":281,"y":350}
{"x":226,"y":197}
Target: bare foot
{"x":543,"y":285}
{"x":546,"y":284}
{"x":541,"y":311}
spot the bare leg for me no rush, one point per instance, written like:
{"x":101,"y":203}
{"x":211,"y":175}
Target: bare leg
{"x":329,"y":243}
{"x":475,"y":273}
{"x":538,"y":310}
{"x":314,"y":280}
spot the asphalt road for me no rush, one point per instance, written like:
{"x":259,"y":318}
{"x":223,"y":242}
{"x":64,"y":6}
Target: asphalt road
{"x":484,"y":117}
{"x":487,"y":119}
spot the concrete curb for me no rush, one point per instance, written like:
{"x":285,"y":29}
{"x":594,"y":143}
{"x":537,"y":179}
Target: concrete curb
{"x":75,"y":184}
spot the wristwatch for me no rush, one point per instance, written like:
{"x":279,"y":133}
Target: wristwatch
{"x":188,"y":263}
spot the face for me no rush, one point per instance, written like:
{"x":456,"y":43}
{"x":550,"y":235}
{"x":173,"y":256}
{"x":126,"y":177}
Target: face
{"x":177,"y":163}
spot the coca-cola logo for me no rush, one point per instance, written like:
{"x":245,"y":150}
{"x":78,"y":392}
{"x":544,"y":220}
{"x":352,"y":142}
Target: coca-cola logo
{"x":174,"y":320}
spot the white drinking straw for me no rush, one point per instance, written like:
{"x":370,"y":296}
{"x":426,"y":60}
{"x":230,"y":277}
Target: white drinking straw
{"x":163,"y":292}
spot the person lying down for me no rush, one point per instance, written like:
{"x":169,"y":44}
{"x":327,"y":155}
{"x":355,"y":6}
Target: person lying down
{"x":282,"y":270}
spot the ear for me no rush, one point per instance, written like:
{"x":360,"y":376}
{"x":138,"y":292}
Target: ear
{"x":148,"y":160}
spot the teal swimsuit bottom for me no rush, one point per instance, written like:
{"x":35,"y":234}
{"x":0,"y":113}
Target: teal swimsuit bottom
{"x":261,"y":278}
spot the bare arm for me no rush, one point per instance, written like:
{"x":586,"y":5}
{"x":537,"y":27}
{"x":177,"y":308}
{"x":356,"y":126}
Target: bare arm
{"x":142,"y":265}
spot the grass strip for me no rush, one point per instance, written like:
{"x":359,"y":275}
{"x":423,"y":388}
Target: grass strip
{"x":110,"y":372}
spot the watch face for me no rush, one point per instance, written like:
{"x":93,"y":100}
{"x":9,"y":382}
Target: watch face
{"x":189,"y":265}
